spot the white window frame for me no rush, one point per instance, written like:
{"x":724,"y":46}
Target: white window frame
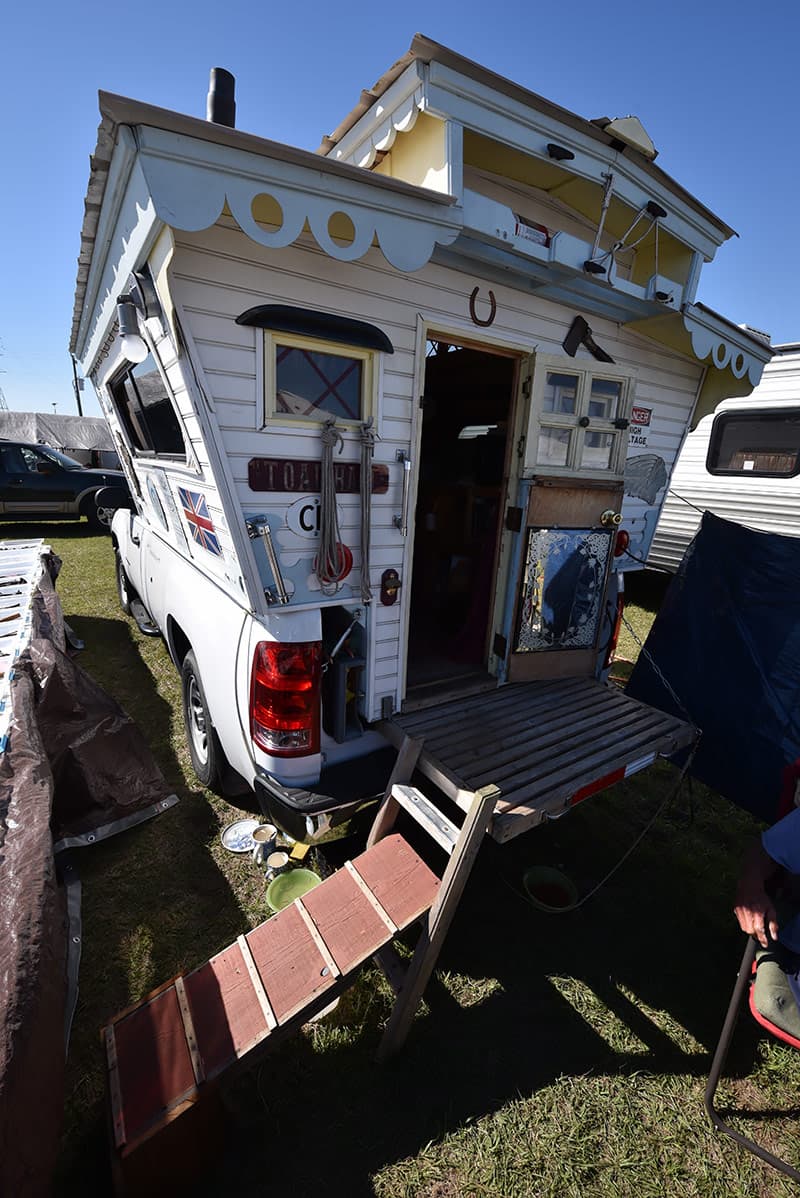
{"x":369,"y":378}
{"x":586,"y":373}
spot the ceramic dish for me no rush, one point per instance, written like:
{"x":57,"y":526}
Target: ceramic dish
{"x":238,"y":836}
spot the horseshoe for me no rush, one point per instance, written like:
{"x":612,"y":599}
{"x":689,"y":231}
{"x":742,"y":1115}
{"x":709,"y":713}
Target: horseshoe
{"x":492,"y":308}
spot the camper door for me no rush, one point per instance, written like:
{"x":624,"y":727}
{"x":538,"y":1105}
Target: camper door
{"x":571,"y":497}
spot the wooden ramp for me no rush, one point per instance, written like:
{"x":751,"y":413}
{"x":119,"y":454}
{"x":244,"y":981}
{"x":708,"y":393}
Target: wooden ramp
{"x":166,"y":1055}
{"x":545,"y":745}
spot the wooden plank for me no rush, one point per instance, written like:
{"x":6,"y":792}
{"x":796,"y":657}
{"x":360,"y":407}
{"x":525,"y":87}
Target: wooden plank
{"x":188,"y":1028}
{"x":446,"y":717}
{"x":392,"y":966}
{"x":228,"y":1019}
{"x":564,"y":783}
{"x":442,"y":830}
{"x":386,"y":815}
{"x":314,"y":932}
{"x":400,"y":880}
{"x":438,"y":922}
{"x":515,"y":734}
{"x":258,"y":985}
{"x":155,"y":1066}
{"x":349,"y":924}
{"x":114,"y":1093}
{"x":291,"y":966}
{"x":390,"y":925}
{"x":576,"y":740}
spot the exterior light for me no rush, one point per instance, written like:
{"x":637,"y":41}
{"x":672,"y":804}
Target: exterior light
{"x":134,"y":346}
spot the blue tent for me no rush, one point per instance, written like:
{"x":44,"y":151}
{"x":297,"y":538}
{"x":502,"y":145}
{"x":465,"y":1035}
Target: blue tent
{"x":727,"y":638}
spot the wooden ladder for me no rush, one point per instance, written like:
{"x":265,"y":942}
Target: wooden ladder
{"x":167,"y":1054}
{"x":462,"y":847}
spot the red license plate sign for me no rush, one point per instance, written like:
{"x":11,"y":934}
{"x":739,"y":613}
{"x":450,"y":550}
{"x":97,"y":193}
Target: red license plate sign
{"x":304,"y":477}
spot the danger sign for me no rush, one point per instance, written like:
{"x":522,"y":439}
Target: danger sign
{"x":641,"y":415}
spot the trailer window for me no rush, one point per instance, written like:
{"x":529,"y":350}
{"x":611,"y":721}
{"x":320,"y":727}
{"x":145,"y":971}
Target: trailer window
{"x":759,"y":444}
{"x":307,"y":379}
{"x":146,"y":412}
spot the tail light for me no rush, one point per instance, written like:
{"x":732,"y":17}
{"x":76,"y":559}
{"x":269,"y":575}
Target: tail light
{"x":612,"y":644}
{"x":285,"y":698}
{"x":621,"y":542}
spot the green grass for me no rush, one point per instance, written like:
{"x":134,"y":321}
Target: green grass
{"x":553,"y":1055}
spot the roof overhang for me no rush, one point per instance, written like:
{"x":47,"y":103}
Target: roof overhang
{"x":188,"y":171}
{"x":433,"y":78}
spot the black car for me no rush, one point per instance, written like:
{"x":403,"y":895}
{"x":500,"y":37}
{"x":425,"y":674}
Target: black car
{"x":41,"y":483}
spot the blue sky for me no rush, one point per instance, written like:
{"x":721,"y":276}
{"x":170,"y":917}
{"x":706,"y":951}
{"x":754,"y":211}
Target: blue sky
{"x":715,"y":89}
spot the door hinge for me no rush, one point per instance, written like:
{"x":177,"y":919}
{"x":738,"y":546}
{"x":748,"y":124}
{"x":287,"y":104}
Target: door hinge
{"x":499,"y":645}
{"x":520,"y":447}
{"x":527,"y":386}
{"x":514,"y":519}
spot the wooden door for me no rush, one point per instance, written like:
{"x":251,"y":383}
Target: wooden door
{"x":561,"y":590}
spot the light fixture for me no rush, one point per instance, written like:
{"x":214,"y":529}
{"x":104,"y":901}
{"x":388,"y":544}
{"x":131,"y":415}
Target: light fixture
{"x":134,"y":347}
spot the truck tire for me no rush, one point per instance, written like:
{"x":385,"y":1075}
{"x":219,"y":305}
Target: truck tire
{"x":99,"y":518}
{"x":205,"y":751}
{"x":124,"y":589}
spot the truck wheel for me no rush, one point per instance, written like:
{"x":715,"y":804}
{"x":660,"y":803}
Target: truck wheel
{"x":124,"y":588}
{"x":99,"y":518}
{"x":204,"y":748}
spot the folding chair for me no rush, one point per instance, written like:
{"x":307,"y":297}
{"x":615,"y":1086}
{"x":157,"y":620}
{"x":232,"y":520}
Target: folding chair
{"x":744,"y":982}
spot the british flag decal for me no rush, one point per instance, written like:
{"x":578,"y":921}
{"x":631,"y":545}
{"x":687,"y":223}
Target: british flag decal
{"x":195,"y":509}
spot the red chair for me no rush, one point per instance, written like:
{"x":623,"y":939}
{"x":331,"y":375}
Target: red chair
{"x":744,"y":982}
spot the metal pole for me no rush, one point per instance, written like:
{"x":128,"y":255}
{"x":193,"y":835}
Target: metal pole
{"x":75,"y":385}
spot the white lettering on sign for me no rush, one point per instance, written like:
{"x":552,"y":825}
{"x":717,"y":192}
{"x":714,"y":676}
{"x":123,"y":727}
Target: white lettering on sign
{"x":641,"y":415}
{"x":303,"y":517}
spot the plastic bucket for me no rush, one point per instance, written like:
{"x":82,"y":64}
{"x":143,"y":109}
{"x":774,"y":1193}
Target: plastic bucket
{"x":549,"y":890}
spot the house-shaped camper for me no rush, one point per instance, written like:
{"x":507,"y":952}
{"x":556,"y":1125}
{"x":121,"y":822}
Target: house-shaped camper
{"x":396,"y":414}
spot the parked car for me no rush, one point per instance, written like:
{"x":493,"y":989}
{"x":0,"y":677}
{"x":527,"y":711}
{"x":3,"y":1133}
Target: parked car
{"x":37,"y":481}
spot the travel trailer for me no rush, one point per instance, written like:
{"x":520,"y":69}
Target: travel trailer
{"x":741,"y":462}
{"x":396,"y":416}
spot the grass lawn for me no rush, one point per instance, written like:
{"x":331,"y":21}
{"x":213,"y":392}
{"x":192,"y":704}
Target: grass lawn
{"x":553,"y":1056}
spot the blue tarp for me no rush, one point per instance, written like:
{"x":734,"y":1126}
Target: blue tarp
{"x":727,"y":637}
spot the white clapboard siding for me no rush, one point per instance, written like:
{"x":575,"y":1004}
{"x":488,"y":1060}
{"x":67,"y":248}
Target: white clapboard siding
{"x":218,"y":274}
{"x":768,"y":504}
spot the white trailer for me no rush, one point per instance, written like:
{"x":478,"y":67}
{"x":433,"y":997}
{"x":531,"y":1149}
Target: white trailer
{"x":379,"y":405}
{"x":742,"y":462}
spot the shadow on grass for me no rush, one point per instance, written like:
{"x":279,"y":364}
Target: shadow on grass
{"x":635,"y":982}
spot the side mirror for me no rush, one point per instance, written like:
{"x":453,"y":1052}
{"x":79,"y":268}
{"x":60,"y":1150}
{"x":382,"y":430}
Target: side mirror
{"x":44,"y":468}
{"x":115,"y":497}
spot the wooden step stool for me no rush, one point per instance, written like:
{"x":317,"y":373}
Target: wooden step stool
{"x":167,"y":1055}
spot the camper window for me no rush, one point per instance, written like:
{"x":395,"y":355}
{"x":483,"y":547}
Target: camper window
{"x":582,"y":418}
{"x":308,"y":379}
{"x":145,"y":409}
{"x":760,"y":444}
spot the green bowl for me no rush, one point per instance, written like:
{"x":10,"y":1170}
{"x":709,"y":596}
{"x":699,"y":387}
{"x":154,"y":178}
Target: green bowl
{"x":283,"y":890}
{"x":549,"y":890}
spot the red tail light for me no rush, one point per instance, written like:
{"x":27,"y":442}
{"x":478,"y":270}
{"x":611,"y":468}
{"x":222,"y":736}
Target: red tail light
{"x":285,"y":697}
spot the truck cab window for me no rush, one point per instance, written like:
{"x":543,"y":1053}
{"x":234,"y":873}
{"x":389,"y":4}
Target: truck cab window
{"x":145,"y":409}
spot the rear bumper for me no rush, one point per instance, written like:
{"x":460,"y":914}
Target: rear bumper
{"x":343,"y":791}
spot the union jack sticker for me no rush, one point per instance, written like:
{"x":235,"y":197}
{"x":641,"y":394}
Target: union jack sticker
{"x":195,"y":509}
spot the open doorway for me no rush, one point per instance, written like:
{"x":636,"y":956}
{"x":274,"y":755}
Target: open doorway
{"x":463,"y":472}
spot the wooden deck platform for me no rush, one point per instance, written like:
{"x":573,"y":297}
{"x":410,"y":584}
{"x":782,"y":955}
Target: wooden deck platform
{"x":545,"y":745}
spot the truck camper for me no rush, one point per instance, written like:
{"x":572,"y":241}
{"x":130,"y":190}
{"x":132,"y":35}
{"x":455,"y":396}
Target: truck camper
{"x":397,"y":415}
